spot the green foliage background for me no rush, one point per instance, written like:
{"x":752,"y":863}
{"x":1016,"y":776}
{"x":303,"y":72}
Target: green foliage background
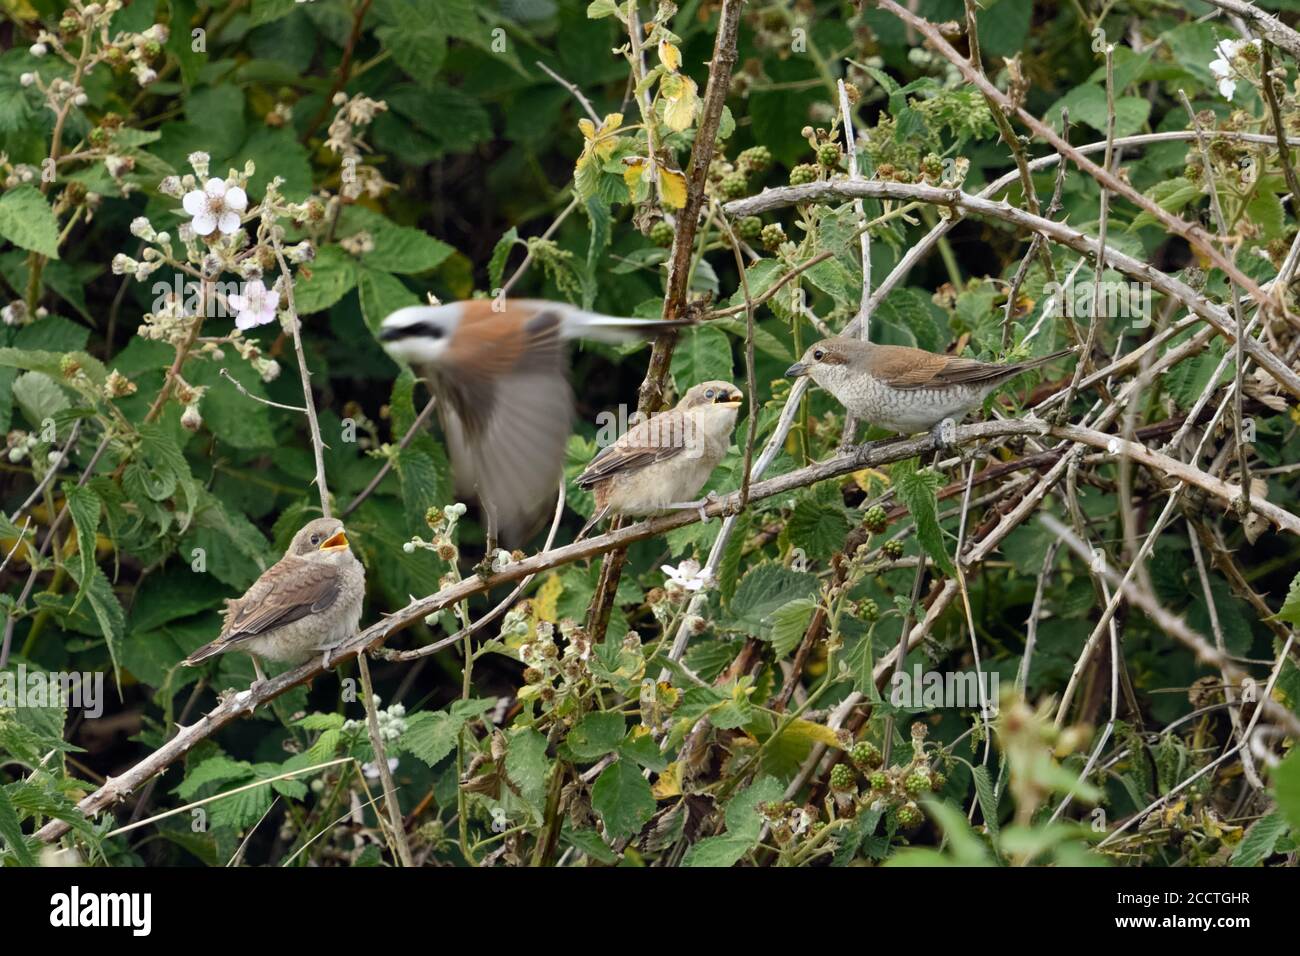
{"x":557,"y":760}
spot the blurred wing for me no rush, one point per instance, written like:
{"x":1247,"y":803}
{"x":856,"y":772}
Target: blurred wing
{"x":658,"y":439}
{"x":287,"y":592}
{"x":507,"y":414}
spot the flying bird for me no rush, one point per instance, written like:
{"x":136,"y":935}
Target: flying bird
{"x":903,"y":389}
{"x":308,"y":601}
{"x":663,"y":462}
{"x":499,"y":371}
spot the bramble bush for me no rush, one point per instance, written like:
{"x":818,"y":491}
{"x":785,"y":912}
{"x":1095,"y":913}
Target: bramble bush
{"x":207,"y":209}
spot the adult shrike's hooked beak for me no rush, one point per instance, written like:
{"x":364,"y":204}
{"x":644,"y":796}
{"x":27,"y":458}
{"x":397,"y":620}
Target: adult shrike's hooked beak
{"x":732,"y":399}
{"x":796,"y":370}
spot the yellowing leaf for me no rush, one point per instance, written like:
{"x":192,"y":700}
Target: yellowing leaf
{"x":680,"y":101}
{"x":817,"y":733}
{"x":670,"y":56}
{"x":546,"y":603}
{"x":669,"y":783}
{"x":672,"y":186}
{"x":633,"y":173}
{"x":601,"y":142}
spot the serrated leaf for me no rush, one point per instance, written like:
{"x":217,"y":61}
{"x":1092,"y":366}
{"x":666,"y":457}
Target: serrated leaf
{"x":623,"y":799}
{"x":703,"y":354}
{"x":1258,"y":843}
{"x":83,"y":505}
{"x":789,"y":622}
{"x":988,"y":802}
{"x":27,"y":221}
{"x":595,"y":735}
{"x":12,"y":832}
{"x":918,"y":490}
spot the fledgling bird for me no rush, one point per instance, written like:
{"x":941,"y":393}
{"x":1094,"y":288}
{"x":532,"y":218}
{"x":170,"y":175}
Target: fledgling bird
{"x":663,"y":462}
{"x":903,"y":389}
{"x":308,"y":601}
{"x":499,"y":370}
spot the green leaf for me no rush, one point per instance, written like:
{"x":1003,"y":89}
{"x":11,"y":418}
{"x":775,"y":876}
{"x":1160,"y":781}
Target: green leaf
{"x":1171,"y":195}
{"x":1258,"y":843}
{"x":765,"y":588}
{"x":1290,"y":611}
{"x":51,"y":363}
{"x":703,"y":354}
{"x":333,"y":275}
{"x":83,"y":505}
{"x":12,"y":832}
{"x":789,"y":623}
{"x":1087,"y":104}
{"x":39,"y":397}
{"x":234,"y":418}
{"x":623,"y":799}
{"x":818,"y":526}
{"x":918,"y":490}
{"x":527,"y":765}
{"x":396,"y":248}
{"x":1286,"y":787}
{"x":27,"y":221}
{"x":94,"y":587}
{"x":988,"y":802}
{"x":432,"y":736}
{"x":421,"y":485}
{"x":595,"y":735}
{"x":744,"y":824}
{"x":381,"y":295}
{"x":500,"y":254}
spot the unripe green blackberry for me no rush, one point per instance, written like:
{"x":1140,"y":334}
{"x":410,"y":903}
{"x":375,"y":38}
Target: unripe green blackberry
{"x":869,"y":610}
{"x":756,"y":160}
{"x":879,"y":780}
{"x":893,"y":549}
{"x":773,"y":235}
{"x":917,"y":783}
{"x":865,"y":755}
{"x":828,"y":154}
{"x":876,"y":519}
{"x":842,"y":778}
{"x":932,"y":167}
{"x":734,"y":185}
{"x":938,"y":780}
{"x":749,"y":228}
{"x":99,"y":137}
{"x":661,"y":233}
{"x":909,"y":815}
{"x":803,"y":174}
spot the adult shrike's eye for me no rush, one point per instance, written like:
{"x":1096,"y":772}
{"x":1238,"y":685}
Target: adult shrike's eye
{"x":818,"y":355}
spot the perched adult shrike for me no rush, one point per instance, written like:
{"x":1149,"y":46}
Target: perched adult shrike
{"x":662,"y":463}
{"x":499,"y":370}
{"x":308,"y":601}
{"x":903,"y":389}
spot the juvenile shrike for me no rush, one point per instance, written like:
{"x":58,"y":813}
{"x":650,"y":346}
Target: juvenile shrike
{"x":499,"y":370}
{"x":308,"y":601}
{"x":662,"y":463}
{"x":903,"y":389}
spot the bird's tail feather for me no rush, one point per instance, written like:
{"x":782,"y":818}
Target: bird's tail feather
{"x":613,"y":329}
{"x":211,"y":649}
{"x":1041,"y":360}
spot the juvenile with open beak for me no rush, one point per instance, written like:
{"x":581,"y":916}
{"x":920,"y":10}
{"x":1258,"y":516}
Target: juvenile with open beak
{"x":499,"y":370}
{"x":903,"y":389}
{"x":308,"y":601}
{"x":663,"y":462}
